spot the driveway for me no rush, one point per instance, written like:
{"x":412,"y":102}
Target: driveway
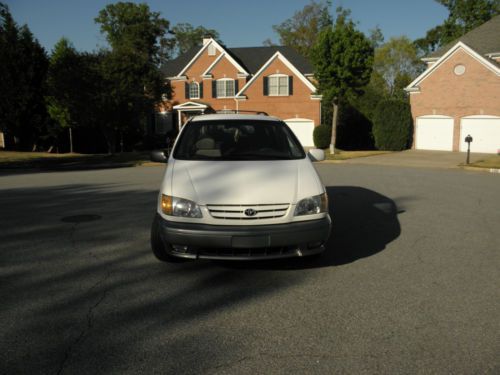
{"x":409,"y":283}
{"x":419,"y":158}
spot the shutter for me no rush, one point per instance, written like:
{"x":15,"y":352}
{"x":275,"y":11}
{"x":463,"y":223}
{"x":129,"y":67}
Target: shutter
{"x":201,"y":90}
{"x":214,"y":88}
{"x":266,"y":86}
{"x":186,"y":90}
{"x":290,"y":85}
{"x":236,"y":89}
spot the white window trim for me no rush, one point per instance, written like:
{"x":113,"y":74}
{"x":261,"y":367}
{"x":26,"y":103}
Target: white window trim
{"x":198,"y":89}
{"x":225,"y":88}
{"x":278,"y":76}
{"x":211,"y":50}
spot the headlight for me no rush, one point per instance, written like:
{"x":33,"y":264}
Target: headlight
{"x":312,"y":205}
{"x":174,"y":206}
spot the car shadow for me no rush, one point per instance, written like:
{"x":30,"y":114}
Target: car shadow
{"x":364,"y":222}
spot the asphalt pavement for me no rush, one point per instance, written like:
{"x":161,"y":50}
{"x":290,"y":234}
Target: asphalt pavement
{"x":410,"y":282}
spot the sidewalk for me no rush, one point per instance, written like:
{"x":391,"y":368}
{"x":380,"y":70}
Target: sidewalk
{"x":419,"y":159}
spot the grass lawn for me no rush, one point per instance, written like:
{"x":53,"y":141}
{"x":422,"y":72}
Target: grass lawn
{"x":15,"y":159}
{"x":490,"y":162}
{"x":344,"y":155}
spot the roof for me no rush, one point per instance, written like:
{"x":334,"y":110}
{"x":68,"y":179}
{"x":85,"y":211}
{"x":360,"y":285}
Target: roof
{"x":251,"y":58}
{"x":484,"y":39}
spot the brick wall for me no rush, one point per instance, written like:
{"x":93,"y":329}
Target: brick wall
{"x":476,"y":92}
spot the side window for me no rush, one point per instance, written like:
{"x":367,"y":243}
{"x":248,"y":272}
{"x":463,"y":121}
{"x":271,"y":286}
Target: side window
{"x":211,"y":50}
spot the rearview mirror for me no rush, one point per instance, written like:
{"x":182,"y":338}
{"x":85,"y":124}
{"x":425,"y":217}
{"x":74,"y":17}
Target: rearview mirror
{"x":316,"y":154}
{"x":159,"y":156}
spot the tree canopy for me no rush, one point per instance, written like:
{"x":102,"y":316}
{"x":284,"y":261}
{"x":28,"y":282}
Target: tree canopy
{"x":186,"y":36}
{"x":302,"y":29}
{"x":343,"y":59}
{"x":23,"y":63}
{"x":464,"y":15}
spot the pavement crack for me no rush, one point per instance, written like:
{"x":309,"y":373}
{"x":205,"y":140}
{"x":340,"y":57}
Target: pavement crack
{"x":88,"y":326}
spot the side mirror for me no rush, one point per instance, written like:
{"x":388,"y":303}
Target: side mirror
{"x":316,"y":154}
{"x":159,"y":156}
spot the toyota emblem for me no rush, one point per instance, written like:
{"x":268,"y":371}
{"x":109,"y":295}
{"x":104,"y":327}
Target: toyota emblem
{"x":250,"y":212}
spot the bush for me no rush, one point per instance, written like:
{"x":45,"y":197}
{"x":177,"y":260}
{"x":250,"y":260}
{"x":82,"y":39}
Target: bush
{"x":322,"y":136}
{"x":392,"y":125}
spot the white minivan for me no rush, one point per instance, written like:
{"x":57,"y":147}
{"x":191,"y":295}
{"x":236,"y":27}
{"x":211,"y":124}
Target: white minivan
{"x":239,"y":187}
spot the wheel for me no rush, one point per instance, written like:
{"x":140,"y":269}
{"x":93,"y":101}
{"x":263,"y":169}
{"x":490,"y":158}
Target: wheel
{"x":159,"y":247}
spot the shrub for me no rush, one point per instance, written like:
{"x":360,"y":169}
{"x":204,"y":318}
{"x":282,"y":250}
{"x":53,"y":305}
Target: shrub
{"x":392,"y":125}
{"x":322,"y":135}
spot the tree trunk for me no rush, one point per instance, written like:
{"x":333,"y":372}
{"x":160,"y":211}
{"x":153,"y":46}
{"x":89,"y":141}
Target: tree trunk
{"x":334,"y":128}
{"x":70,"y":140}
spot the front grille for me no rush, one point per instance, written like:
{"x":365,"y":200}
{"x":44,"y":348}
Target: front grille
{"x":272,"y":252}
{"x":237,"y":212}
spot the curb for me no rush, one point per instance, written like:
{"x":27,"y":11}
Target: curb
{"x":479,"y":169}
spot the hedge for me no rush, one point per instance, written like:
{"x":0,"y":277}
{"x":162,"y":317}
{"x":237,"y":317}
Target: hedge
{"x":322,"y":136}
{"x":392,"y":125}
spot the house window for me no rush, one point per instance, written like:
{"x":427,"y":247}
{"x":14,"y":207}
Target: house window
{"x":211,"y":50}
{"x":194,"y":90}
{"x":278,"y":85}
{"x":225,"y":88}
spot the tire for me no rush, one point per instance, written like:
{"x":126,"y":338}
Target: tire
{"x":159,"y":247}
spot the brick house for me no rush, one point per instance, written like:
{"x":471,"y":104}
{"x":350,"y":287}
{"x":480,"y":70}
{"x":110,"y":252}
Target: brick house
{"x":212,"y":78}
{"x":459,"y":94}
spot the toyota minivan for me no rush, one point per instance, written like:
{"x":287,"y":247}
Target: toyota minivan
{"x":239,"y":187}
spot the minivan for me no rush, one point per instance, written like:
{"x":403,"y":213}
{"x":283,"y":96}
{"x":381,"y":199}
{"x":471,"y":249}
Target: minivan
{"x":239,"y":187}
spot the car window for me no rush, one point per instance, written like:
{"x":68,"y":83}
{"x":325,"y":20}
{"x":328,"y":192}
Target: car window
{"x":237,"y":140}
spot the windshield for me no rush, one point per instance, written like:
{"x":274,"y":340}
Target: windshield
{"x":238,"y":140}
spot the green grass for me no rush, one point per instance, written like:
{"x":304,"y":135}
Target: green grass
{"x":15,"y":159}
{"x":491,"y":162}
{"x":344,"y":155}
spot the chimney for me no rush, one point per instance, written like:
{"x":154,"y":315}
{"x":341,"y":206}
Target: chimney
{"x":206,"y":39}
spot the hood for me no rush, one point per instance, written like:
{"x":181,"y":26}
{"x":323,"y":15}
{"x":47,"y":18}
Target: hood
{"x":244,"y":182}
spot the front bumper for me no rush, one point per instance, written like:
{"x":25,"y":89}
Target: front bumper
{"x":253,"y":242}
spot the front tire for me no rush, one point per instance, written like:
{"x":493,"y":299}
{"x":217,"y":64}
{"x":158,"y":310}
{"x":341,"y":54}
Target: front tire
{"x":159,"y":247}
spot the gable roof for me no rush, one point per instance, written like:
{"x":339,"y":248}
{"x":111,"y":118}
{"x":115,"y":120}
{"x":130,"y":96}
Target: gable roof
{"x":250,"y":58}
{"x":484,"y":39}
{"x":284,"y":60}
{"x":488,"y":63}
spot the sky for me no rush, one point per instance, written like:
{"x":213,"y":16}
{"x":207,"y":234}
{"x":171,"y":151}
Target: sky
{"x":239,"y":23}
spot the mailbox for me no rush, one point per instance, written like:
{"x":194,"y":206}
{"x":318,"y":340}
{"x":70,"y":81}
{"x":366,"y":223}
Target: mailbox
{"x":468,"y":139}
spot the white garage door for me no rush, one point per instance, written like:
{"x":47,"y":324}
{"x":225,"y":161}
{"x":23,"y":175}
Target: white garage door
{"x":485,"y":133}
{"x":303,"y":130}
{"x":434,"y":133}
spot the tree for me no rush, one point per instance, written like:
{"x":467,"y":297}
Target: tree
{"x":464,"y":15}
{"x":187,"y":37}
{"x":302,"y":29}
{"x":23,"y":64}
{"x":130,"y":70}
{"x":343,"y":59}
{"x":395,"y":60}
{"x":63,"y":88}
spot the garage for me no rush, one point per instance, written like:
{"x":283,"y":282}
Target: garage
{"x":485,"y":132}
{"x":434,"y":133}
{"x":303,"y":130}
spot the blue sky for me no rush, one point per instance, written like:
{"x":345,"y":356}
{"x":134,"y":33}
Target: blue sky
{"x":240,"y":23}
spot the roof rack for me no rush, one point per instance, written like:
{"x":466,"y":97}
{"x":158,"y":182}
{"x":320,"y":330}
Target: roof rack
{"x":230,"y":111}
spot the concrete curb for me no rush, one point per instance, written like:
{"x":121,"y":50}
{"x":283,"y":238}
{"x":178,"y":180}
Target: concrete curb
{"x":479,"y":169}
